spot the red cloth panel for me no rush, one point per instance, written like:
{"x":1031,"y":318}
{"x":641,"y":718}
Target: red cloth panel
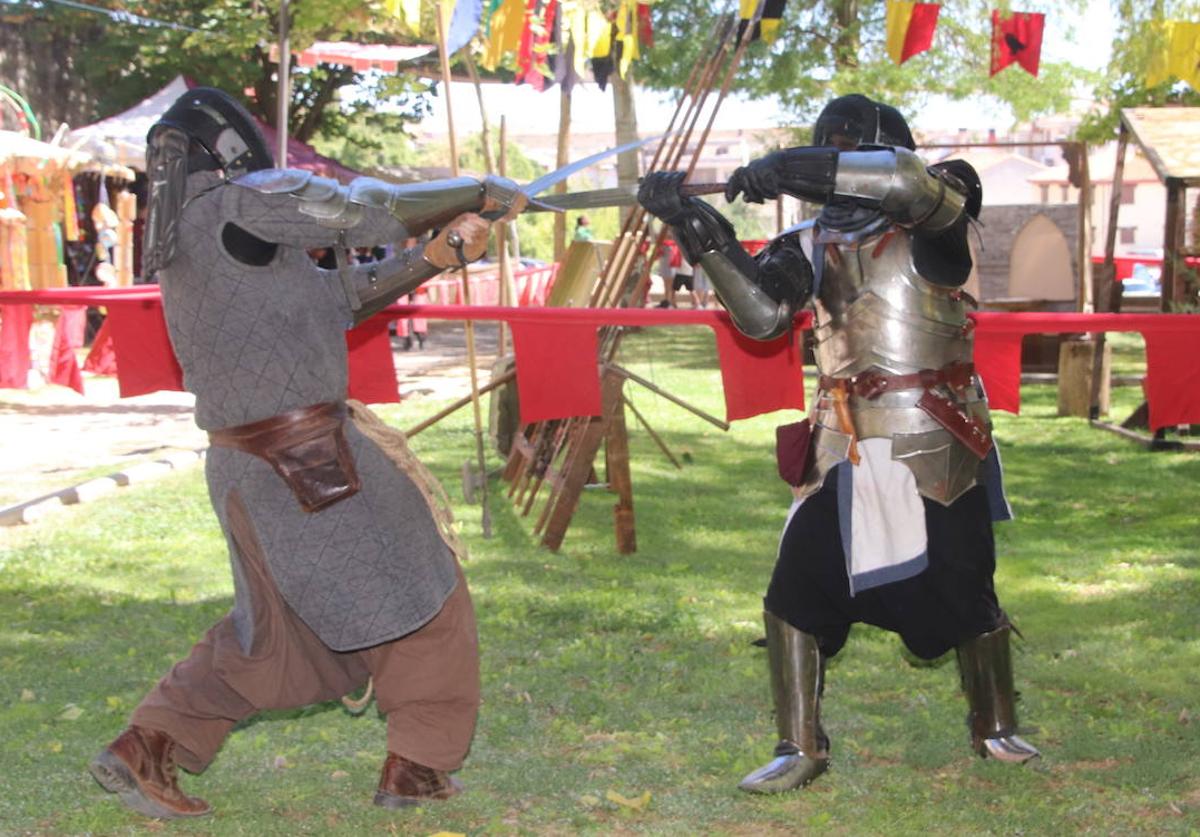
{"x":372,"y":372}
{"x":15,"y":322}
{"x":557,"y":375}
{"x":759,"y":376}
{"x":146,"y":361}
{"x":102,"y":359}
{"x":68,"y":336}
{"x":1172,"y":377}
{"x":998,"y":362}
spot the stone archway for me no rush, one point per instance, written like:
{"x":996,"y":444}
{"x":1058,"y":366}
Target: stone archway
{"x":1040,"y":263}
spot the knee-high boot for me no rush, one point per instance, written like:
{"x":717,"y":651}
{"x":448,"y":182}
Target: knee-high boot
{"x":797,"y":680}
{"x":985,"y":664}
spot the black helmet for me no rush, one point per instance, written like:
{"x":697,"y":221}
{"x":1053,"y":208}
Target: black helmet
{"x":862,"y":121}
{"x":222,"y":133}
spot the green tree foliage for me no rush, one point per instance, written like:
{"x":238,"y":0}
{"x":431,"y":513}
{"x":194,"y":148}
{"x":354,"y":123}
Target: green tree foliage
{"x":106,"y":64}
{"x":1124,"y":84}
{"x":832,"y":47}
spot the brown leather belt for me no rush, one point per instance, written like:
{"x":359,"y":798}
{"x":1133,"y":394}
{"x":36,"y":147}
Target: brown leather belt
{"x":970,"y":430}
{"x":872,"y":383}
{"x":306,"y":447}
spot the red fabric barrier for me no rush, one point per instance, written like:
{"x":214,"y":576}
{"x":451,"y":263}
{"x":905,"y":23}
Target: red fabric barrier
{"x":556,"y":370}
{"x":372,"y":370}
{"x":102,"y":359}
{"x":68,"y":336}
{"x":15,"y":322}
{"x":759,"y":377}
{"x":145,"y":360}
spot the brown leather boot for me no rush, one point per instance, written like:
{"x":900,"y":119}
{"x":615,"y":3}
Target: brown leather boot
{"x":405,"y":783}
{"x":140,"y":768}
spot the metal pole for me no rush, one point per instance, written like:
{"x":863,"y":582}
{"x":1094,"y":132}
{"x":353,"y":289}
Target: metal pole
{"x":284,"y":95}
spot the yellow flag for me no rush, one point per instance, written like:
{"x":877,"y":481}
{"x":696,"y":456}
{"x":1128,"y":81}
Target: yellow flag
{"x":627,"y":33}
{"x":899,"y":13}
{"x":1180,"y":56}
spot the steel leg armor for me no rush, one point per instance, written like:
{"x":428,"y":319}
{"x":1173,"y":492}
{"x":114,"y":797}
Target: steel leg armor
{"x":797,"y":680}
{"x":985,"y":664}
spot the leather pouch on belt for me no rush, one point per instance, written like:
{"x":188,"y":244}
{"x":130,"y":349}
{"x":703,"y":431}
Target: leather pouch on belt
{"x":972,"y":432}
{"x":793,"y":451}
{"x":317,"y":466}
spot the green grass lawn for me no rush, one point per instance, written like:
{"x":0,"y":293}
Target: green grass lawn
{"x":636,"y":674}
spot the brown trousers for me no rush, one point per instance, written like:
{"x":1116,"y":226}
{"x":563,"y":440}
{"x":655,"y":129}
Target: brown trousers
{"x":426,"y":682}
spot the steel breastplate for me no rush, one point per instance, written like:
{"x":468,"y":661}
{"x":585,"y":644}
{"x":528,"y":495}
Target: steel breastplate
{"x":874,"y":311}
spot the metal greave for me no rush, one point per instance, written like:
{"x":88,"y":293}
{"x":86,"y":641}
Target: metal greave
{"x":797,"y":680}
{"x":985,"y":663}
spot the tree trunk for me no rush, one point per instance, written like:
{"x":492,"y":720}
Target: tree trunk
{"x":625,"y":117}
{"x":564,"y":150}
{"x":846,"y":42}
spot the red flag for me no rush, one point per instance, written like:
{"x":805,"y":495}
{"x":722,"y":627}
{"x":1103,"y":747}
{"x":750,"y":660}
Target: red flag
{"x":1017,"y":38}
{"x":645,"y":29}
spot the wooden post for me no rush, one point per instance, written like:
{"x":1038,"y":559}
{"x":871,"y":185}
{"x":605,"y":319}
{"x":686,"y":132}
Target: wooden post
{"x":466,"y":283}
{"x":616,"y":458}
{"x":588,"y":436}
{"x":1076,"y":369}
{"x":1087,"y":301}
{"x":562,"y":159}
{"x":1105,"y":296}
{"x":1172,"y":288}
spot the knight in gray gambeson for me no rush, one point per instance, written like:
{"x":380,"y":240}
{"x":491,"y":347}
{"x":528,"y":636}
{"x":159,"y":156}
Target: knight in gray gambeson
{"x":344,"y":563}
{"x":895,"y":475}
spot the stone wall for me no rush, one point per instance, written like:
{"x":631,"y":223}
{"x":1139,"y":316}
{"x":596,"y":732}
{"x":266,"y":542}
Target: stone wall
{"x":1000,"y":226}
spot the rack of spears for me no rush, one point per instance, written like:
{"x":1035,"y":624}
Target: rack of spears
{"x":552,"y":462}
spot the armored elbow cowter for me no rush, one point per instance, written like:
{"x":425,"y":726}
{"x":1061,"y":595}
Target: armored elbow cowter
{"x":419,"y":207}
{"x":907,"y":192}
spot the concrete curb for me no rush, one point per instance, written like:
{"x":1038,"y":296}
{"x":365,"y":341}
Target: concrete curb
{"x":34,"y":510}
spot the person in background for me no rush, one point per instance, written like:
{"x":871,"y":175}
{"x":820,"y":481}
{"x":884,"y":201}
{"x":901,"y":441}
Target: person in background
{"x":583,"y":229}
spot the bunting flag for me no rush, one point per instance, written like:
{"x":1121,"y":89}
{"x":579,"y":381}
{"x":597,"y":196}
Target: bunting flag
{"x":463,"y":24}
{"x":910,"y":28}
{"x":505,"y":25}
{"x":1017,"y":38}
{"x":768,"y":27}
{"x":1179,"y":56}
{"x":409,"y":12}
{"x":627,"y":35}
{"x":536,"y":36}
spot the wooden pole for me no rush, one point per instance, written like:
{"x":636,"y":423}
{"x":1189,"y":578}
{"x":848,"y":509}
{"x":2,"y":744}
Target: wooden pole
{"x":466,"y":282}
{"x":1105,"y":293}
{"x":563,"y":158}
{"x":507,"y":297}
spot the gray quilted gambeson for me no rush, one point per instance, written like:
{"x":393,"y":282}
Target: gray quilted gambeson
{"x":257,"y":341}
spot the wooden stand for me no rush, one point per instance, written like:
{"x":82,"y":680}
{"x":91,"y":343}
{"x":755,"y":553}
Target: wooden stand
{"x":566,"y":480}
{"x":1076,"y":367}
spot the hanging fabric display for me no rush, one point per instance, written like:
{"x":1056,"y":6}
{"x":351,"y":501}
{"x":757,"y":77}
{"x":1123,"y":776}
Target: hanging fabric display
{"x":1179,"y":56}
{"x":1017,"y":39}
{"x":910,"y":28}
{"x":505,"y":26}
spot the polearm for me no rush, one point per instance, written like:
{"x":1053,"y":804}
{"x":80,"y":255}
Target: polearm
{"x":466,"y":285}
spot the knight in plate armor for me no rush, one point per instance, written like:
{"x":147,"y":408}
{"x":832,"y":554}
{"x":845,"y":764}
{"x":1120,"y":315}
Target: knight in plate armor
{"x":895,"y":475}
{"x":344,"y":562}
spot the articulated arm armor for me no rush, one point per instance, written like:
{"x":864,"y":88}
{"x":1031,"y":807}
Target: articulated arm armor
{"x":377,"y":285}
{"x":894,"y":179}
{"x":761,"y":294}
{"x":418,"y":207}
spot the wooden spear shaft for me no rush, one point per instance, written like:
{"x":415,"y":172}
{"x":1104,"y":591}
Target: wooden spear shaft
{"x":466,"y":283}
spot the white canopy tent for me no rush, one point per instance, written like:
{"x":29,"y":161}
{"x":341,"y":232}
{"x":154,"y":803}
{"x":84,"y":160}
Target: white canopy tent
{"x":122,"y":138}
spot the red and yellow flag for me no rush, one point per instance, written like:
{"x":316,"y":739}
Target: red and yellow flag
{"x":910,"y":28}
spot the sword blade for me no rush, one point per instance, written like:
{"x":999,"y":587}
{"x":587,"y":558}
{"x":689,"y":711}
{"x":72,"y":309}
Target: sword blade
{"x":616,"y":196}
{"x":558,"y":175}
